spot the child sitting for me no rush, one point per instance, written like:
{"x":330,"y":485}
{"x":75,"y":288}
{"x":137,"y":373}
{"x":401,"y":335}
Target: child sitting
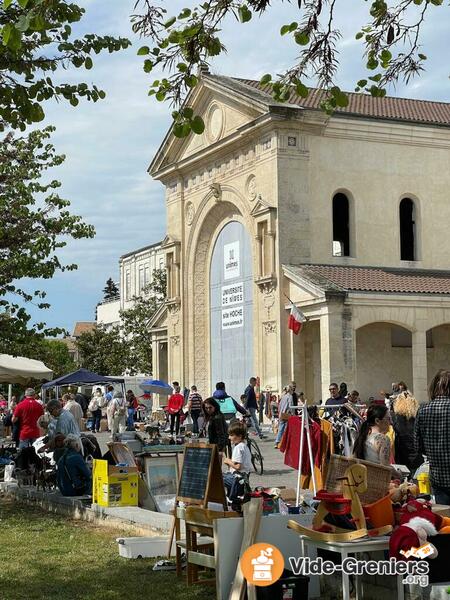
{"x":240,"y":463}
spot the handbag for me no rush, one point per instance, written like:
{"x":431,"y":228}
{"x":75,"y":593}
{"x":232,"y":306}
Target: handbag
{"x":285,"y":416}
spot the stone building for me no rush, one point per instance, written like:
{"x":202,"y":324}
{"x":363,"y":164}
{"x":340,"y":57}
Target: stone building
{"x":136,"y":272}
{"x":346,"y":215}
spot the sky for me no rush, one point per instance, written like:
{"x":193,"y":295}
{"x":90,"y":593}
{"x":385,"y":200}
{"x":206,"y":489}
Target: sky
{"x":109,"y":144}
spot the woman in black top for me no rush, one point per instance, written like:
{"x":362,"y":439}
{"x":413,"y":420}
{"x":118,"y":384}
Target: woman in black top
{"x":216,"y":425}
{"x":403,"y":420}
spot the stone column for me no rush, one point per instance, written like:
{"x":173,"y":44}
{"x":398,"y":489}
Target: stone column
{"x":337,"y":347}
{"x":155,"y":370}
{"x":419,"y":365}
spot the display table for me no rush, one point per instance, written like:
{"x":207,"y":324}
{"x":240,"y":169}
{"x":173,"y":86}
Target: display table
{"x":346,"y":549}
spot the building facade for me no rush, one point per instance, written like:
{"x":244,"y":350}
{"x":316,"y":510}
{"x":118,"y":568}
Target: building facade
{"x":136,"y":272}
{"x":344,"y":215}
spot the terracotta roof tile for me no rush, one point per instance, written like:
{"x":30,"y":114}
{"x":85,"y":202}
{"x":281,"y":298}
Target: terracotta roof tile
{"x":373,"y":279}
{"x":82,"y":327}
{"x":403,"y":109}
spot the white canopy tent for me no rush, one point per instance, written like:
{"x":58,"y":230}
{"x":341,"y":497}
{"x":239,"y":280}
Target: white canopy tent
{"x":18,"y":369}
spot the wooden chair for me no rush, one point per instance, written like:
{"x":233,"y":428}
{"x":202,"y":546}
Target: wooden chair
{"x":199,"y":522}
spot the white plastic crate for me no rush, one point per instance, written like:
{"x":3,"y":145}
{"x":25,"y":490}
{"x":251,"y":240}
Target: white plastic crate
{"x":143,"y":547}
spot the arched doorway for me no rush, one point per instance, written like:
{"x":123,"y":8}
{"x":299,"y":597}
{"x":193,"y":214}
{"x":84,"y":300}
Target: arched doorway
{"x":231,"y":309}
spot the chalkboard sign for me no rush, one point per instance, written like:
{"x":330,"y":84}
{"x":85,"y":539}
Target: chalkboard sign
{"x":201,"y":476}
{"x":194,"y":477}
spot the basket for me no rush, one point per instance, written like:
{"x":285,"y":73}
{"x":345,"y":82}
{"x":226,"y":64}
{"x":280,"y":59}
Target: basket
{"x":380,"y":512}
{"x":378,"y":477}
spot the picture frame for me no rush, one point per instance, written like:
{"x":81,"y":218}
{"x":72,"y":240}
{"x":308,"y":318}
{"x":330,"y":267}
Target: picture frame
{"x":161,"y":475}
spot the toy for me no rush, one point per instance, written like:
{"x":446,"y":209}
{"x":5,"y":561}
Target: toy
{"x":354,"y":483}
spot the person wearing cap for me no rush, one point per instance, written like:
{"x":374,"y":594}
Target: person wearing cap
{"x":26,"y":414}
{"x":118,"y":413}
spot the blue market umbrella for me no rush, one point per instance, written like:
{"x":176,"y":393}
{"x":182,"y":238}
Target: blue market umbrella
{"x":156,"y":386}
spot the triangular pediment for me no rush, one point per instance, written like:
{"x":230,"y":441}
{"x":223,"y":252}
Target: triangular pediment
{"x":261,"y":207}
{"x":300,"y":289}
{"x":224,"y":109}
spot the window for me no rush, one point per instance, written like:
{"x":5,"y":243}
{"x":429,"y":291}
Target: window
{"x":141,"y":278}
{"x":407,"y":230}
{"x":341,"y":225}
{"x":127,"y":285}
{"x":147,"y":275}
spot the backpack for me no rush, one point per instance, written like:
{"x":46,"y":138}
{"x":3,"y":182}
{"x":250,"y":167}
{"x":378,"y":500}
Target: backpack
{"x":122,"y":409}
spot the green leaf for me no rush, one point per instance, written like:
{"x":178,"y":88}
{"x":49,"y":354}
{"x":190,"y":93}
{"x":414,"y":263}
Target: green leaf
{"x":302,"y":38}
{"x":372,"y":63}
{"x":148,"y":65}
{"x":285,"y":29}
{"x":24,"y":22}
{"x":191,"y":81}
{"x":161,"y":95}
{"x":181,"y":130}
{"x":6,"y":32}
{"x":265,"y":79}
{"x":244,"y":14}
{"x":341,"y":100}
{"x":88,"y":63}
{"x":7,"y":3}
{"x":301,"y":90}
{"x":362,"y":83}
{"x":359,"y":35}
{"x":23,"y":3}
{"x":188,"y":112}
{"x":197,"y":125}
{"x":386,"y":56}
{"x":74,"y":101}
{"x":143,"y":50}
{"x":436,"y":2}
{"x":422,"y":57}
{"x":170,"y":22}
{"x":15,"y":39}
{"x":182,"y":67}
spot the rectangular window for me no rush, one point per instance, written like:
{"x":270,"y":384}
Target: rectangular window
{"x":127,"y":285}
{"x":141,"y":278}
{"x":147,"y":275}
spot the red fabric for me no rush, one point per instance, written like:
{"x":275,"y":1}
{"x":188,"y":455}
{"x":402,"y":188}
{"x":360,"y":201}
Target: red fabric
{"x":135,"y":403}
{"x":176,"y":402}
{"x":290,"y":444}
{"x":403,"y":538}
{"x":28,"y":412}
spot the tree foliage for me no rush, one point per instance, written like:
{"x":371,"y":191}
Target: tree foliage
{"x":37,"y":41}
{"x":35,"y":224}
{"x":390,"y":44}
{"x":110,"y":291}
{"x":135,"y":323}
{"x":126,"y":348}
{"x":103,"y":351}
{"x":54,"y":354}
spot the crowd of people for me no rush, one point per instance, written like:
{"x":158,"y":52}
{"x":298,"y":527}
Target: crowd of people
{"x":394,"y":429}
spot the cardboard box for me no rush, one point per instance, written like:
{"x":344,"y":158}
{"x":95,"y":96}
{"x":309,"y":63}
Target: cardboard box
{"x":114,"y":485}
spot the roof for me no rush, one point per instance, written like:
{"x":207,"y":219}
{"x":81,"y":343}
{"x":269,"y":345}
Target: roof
{"x":374,"y":279}
{"x":139,"y":250}
{"x":363,"y":105}
{"x":83,"y":327}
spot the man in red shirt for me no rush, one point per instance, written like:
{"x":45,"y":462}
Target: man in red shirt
{"x":27,"y":413}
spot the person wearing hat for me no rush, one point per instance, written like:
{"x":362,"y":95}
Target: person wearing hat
{"x":118,"y":413}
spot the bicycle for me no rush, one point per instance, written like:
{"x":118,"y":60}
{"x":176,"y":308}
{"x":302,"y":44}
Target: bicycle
{"x":256,"y":456}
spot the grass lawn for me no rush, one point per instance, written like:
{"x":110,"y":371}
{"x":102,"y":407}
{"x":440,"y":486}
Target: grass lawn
{"x":50,"y":557}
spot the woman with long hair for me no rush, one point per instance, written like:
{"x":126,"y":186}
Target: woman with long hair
{"x":372,"y":443}
{"x":403,"y":421}
{"x":216,"y":425}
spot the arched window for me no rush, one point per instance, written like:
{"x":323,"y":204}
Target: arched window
{"x":407,"y":230}
{"x":341,"y":225}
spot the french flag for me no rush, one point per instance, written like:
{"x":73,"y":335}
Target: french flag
{"x":296,"y":320}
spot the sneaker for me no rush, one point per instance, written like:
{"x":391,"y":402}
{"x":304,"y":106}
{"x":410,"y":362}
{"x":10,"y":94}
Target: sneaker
{"x":276,"y":446}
